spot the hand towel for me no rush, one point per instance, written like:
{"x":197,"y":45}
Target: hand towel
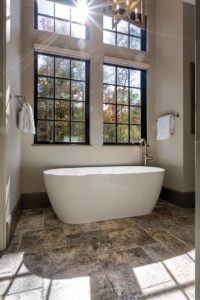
{"x":26,"y":123}
{"x":165,"y":127}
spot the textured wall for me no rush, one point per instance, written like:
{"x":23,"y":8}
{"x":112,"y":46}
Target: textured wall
{"x":37,"y":158}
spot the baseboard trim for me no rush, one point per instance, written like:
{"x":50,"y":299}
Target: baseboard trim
{"x":181,"y":199}
{"x":12,"y":220}
{"x":35,"y":200}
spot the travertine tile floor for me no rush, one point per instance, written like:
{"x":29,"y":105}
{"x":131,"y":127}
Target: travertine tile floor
{"x":149,"y":257}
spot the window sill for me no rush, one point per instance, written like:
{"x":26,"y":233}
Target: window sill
{"x":121,"y":145}
{"x":60,"y":144}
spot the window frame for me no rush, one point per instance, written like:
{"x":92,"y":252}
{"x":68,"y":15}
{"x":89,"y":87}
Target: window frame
{"x":87,"y":100}
{"x":54,"y":18}
{"x":143,"y":36}
{"x":143,"y":106}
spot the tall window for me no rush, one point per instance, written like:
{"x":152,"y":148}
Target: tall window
{"x":61,"y":99}
{"x":124,"y":104}
{"x":124,"y":34}
{"x":53,"y":16}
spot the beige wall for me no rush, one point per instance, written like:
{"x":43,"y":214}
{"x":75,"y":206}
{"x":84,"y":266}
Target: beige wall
{"x":173,"y":52}
{"x":13,"y":86}
{"x":37,"y":158}
{"x":188,"y":57}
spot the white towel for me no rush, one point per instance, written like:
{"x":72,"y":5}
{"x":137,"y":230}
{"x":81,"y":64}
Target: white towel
{"x":165,"y":127}
{"x":26,"y":123}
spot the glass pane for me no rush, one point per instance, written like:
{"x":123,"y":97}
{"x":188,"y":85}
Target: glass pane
{"x":78,"y":132}
{"x":62,"y":11}
{"x":79,"y":14}
{"x":109,"y":94}
{"x":78,"y":90}
{"x":122,"y":114}
{"x":135,"y":78}
{"x":135,"y":97}
{"x":135,"y":134}
{"x":62,"y":27}
{"x":107,"y":22}
{"x":122,"y":133}
{"x":109,"y":133}
{"x":62,"y":68}
{"x":78,"y":70}
{"x":62,"y":89}
{"x":62,"y":132}
{"x":122,"y":95}
{"x":122,"y":40}
{"x":122,"y":76}
{"x":135,"y":30}
{"x":62,"y":110}
{"x":45,"y":24}
{"x":45,"y":65}
{"x":78,"y":111}
{"x":135,"y":43}
{"x":45,"y":7}
{"x":45,"y":109}
{"x":45,"y":131}
{"x":78,"y":31}
{"x":45,"y":87}
{"x":109,"y":113}
{"x":109,"y":74}
{"x":122,"y":26}
{"x":135,"y":115}
{"x":109,"y":37}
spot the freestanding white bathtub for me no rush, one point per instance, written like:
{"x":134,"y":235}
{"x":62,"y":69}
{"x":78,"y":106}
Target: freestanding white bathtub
{"x":90,"y":194}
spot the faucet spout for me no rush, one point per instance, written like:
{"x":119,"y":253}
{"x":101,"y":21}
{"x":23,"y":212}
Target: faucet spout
{"x":143,"y":151}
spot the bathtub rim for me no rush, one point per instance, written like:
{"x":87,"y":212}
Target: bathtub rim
{"x":55,"y":171}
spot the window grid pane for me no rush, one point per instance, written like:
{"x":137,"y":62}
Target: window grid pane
{"x":124,"y":35}
{"x":62,"y":99}
{"x":59,"y":18}
{"x":124,"y":104}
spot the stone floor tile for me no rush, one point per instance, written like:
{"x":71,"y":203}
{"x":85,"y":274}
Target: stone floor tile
{"x":25,"y":282}
{"x":152,"y":221}
{"x":135,"y":296}
{"x":129,"y":238}
{"x":10,"y":264}
{"x":152,"y":275}
{"x":70,"y":229}
{"x":36,"y":294}
{"x":43,"y":238}
{"x":123,"y":259}
{"x":4,"y":286}
{"x":123,"y":281}
{"x":182,"y":269}
{"x":50,"y":219}
{"x":157,"y":252}
{"x":35,"y":211}
{"x":30,"y":222}
{"x":166,"y":291}
{"x":170,"y":242}
{"x":65,"y":261}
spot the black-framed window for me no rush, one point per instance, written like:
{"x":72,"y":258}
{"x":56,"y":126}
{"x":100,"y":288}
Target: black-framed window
{"x":124,"y":34}
{"x":55,"y":16}
{"x":61,"y":99}
{"x":124,"y":104}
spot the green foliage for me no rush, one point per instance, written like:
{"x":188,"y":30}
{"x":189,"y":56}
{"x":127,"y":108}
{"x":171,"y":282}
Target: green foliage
{"x":64,"y":105}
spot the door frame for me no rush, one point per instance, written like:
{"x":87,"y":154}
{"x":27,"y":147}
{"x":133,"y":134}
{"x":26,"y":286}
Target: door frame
{"x":2,"y":123}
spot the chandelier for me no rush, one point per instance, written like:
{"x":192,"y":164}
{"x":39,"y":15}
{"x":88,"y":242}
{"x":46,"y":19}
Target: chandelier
{"x":132,"y":11}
